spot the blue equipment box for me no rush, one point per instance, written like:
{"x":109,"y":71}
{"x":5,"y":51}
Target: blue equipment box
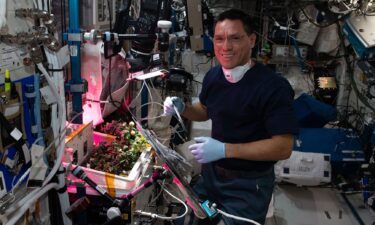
{"x":344,"y":146}
{"x":359,"y":47}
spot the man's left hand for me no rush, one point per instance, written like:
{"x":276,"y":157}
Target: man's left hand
{"x":207,"y":149}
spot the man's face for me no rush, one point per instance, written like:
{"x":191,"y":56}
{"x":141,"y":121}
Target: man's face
{"x":232,"y":44}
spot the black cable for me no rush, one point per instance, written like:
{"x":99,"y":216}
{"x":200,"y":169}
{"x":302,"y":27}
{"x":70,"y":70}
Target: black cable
{"x":62,"y":11}
{"x":197,"y":81}
{"x":63,"y":19}
{"x":55,"y":70}
{"x":54,"y":208}
{"x":353,"y":209}
{"x":346,"y":116}
{"x":110,"y":14}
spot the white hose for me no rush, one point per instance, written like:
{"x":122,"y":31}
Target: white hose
{"x":40,"y":4}
{"x":46,"y":5}
{"x":59,"y":139}
{"x":237,"y":217}
{"x":18,"y":204}
{"x":53,"y":89}
{"x":154,"y":215}
{"x":3,"y":10}
{"x":60,"y":148}
{"x":59,"y":80}
{"x":55,"y":93}
{"x":55,"y":122}
{"x":59,"y":133}
{"x":21,"y":211}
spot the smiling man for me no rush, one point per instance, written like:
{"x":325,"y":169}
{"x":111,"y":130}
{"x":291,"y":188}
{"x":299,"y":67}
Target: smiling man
{"x":253,"y":124}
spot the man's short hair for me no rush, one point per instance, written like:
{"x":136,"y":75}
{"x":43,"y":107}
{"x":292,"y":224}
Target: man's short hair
{"x":236,"y":14}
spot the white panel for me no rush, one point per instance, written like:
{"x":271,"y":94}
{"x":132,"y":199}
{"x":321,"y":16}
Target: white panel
{"x":12,"y":57}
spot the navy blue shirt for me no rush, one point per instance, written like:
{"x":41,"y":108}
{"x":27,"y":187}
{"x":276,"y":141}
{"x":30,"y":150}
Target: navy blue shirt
{"x":257,"y":107}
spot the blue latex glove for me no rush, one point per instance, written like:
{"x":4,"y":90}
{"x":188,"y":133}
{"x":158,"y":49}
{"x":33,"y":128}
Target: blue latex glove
{"x":207,"y":149}
{"x":170,"y":103}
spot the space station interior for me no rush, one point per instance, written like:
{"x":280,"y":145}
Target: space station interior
{"x":87,"y":137}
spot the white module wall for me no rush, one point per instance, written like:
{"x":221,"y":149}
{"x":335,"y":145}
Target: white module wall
{"x":14,"y":57}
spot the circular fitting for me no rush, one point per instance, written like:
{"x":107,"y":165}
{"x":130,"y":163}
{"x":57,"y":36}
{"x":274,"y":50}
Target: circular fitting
{"x":27,"y":61}
{"x":113,"y":212}
{"x":36,"y":54}
{"x":164,"y":25}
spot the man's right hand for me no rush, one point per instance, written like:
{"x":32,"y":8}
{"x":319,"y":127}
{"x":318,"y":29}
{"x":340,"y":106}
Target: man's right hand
{"x":170,"y":103}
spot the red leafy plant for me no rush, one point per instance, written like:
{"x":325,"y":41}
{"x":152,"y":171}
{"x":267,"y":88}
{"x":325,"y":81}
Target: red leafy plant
{"x":119,"y":156}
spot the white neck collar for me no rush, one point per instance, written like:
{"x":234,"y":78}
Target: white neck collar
{"x":236,"y":74}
